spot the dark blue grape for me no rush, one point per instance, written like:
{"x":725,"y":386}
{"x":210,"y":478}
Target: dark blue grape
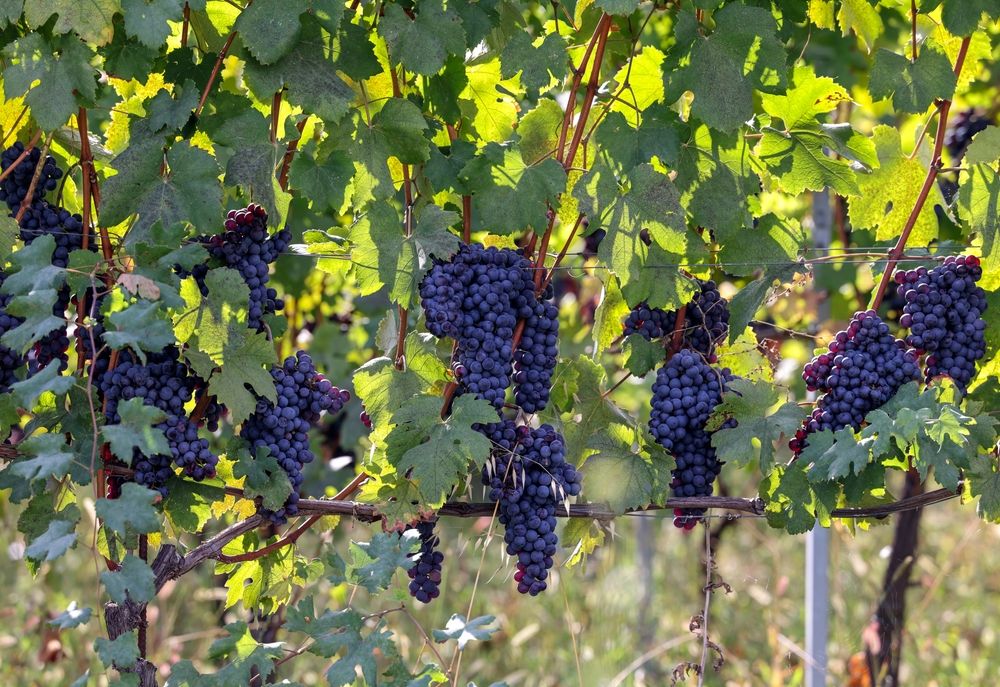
{"x":529,"y":476}
{"x":282,"y":427}
{"x":706,"y":321}
{"x":863,"y":367}
{"x":477,"y":298}
{"x":14,"y":188}
{"x":685,"y":393}
{"x":536,"y":356}
{"x":248,"y":247}
{"x":425,"y":575}
{"x":944,"y":313}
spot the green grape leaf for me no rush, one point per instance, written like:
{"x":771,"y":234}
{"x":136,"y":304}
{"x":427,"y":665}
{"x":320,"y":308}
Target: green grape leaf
{"x":834,"y":455}
{"x":810,"y":97}
{"x":714,"y":180}
{"x":36,"y":309}
{"x":748,"y":402}
{"x":173,"y":110}
{"x":536,"y":65}
{"x":323,"y":181}
{"x":621,"y":477}
{"x":984,"y":482}
{"x":423,"y":44}
{"x":587,"y":535}
{"x":913,"y":86}
{"x":790,"y":501}
{"x":517,"y":194}
{"x":188,"y":192}
{"x":435,"y":453}
{"x":979,"y":205}
{"x":741,"y":54}
{"x":860,"y":17}
{"x":148,"y":20}
{"x":985,"y":147}
{"x":121,"y":652}
{"x":35,"y":271}
{"x":641,"y":356}
{"x":73,"y":616}
{"x":610,"y":315}
{"x":30,"y":390}
{"x":628,"y":147}
{"x":60,"y":73}
{"x":358,"y":60}
{"x":264,"y":478}
{"x":136,"y":430}
{"x":308,"y":73}
{"x":89,"y":19}
{"x":373,"y":564}
{"x":886,"y":196}
{"x":397,"y":130}
{"x":188,"y":505}
{"x":745,"y":304}
{"x":330,"y":631}
{"x":618,"y":6}
{"x":490,"y":101}
{"x":45,"y":456}
{"x":141,"y":326}
{"x":269,"y":28}
{"x":798,"y":161}
{"x":134,"y":580}
{"x":263,"y":583}
{"x":961,"y":17}
{"x":463,"y":631}
{"x":57,"y":539}
{"x":773,"y":240}
{"x":132,"y":511}
{"x":383,"y":389}
{"x":247,"y":658}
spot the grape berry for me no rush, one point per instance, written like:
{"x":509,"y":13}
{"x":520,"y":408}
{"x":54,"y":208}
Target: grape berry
{"x":425,"y":575}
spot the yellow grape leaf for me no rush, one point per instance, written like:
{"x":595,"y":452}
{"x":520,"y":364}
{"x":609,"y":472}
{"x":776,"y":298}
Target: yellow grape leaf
{"x":887,"y":194}
{"x":979,"y":49}
{"x":240,"y":507}
{"x":645,"y":80}
{"x":493,"y":111}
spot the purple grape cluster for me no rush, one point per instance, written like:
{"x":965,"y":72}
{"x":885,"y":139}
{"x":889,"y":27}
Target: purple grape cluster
{"x":303,"y":395}
{"x":248,"y":247}
{"x":964,"y":126}
{"x":706,"y":321}
{"x":944,"y":313}
{"x":649,"y":323}
{"x":14,"y":188}
{"x":863,"y":367}
{"x":165,"y":383}
{"x":536,"y":356}
{"x":529,"y":476}
{"x":476,"y":298}
{"x":425,"y":575}
{"x":43,"y":219}
{"x":685,"y":393}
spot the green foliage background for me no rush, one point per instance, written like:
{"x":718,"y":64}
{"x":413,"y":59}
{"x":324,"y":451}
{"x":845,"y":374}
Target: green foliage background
{"x":695,"y":134}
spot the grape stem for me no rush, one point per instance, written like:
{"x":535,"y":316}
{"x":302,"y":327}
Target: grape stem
{"x":286,"y":161}
{"x":215,"y":72}
{"x":407,"y":231}
{"x":20,"y":158}
{"x":943,"y":107}
{"x":185,"y":25}
{"x":34,"y":180}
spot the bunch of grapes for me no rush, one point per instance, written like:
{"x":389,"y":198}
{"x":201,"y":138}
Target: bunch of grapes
{"x":685,"y":394}
{"x":303,"y":395}
{"x":536,"y":357}
{"x":42,"y":219}
{"x":649,"y":323}
{"x":425,"y":575}
{"x":165,"y":383}
{"x":476,"y":298}
{"x":944,"y":313}
{"x":862,"y":369}
{"x":10,"y":361}
{"x":964,"y":126}
{"x":706,"y":320}
{"x":529,"y":476}
{"x":248,"y":247}
{"x":14,"y":188}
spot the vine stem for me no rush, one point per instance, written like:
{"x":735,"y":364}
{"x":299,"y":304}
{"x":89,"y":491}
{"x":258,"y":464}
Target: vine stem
{"x":215,"y":72}
{"x":286,"y":160}
{"x":407,"y":230}
{"x":293,"y":536}
{"x":275,"y":112}
{"x":34,"y":180}
{"x":588,"y":100}
{"x":20,"y":158}
{"x":185,"y":26}
{"x":944,"y":106}
{"x":913,"y":31}
{"x":708,"y":601}
{"x":603,"y":26}
{"x":562,"y":254}
{"x":675,"y":339}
